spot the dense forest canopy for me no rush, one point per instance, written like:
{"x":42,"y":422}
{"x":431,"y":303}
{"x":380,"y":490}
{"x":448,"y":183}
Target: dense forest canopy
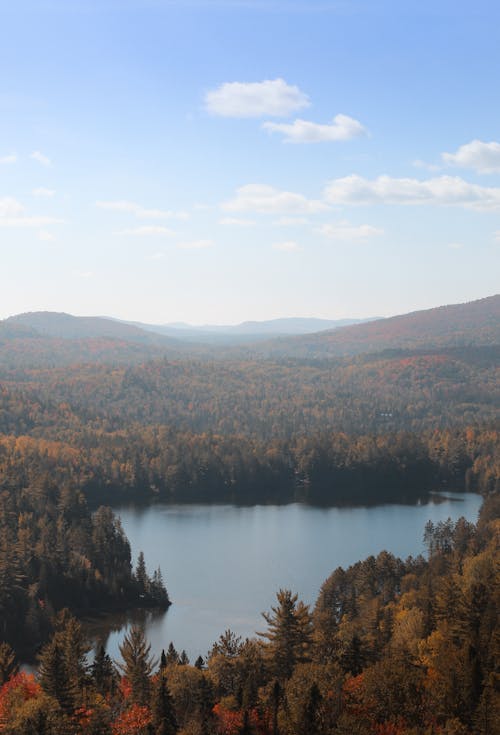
{"x":392,"y":646}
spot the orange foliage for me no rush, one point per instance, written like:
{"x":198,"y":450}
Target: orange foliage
{"x":134,"y":721}
{"x":17,"y":690}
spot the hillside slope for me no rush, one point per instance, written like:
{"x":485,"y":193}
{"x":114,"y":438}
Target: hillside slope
{"x":475,"y":323}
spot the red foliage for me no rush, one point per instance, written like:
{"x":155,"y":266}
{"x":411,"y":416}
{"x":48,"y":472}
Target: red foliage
{"x":19,"y":688}
{"x":134,"y":721}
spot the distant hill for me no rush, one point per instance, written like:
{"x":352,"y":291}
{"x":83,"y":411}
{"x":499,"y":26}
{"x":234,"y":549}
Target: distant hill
{"x":65,"y":326}
{"x":245,"y":332}
{"x":45,"y":339}
{"x":473,"y":323}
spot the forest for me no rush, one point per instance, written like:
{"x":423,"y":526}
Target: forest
{"x":391,"y":647}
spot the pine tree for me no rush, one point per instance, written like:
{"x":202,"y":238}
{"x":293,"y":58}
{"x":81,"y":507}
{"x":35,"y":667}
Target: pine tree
{"x":162,"y":708}
{"x":103,"y":672}
{"x":141,"y":574}
{"x":172,"y":656}
{"x":200,"y":663}
{"x":183,"y":658}
{"x":289,"y":633}
{"x":8,"y":663}
{"x":53,"y":675}
{"x":137,"y":664}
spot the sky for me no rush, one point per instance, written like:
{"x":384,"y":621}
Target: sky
{"x":214,"y":161}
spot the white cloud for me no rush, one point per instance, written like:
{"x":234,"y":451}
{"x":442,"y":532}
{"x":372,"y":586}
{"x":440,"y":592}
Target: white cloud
{"x":439,"y":191}
{"x":11,"y":158}
{"x":290,"y":221}
{"x":288,"y":246}
{"x":10,"y":207}
{"x":139,"y":211}
{"x":496,"y":235}
{"x":12,"y":214}
{"x":455,"y":245}
{"x":147,"y":230}
{"x":342,"y":127}
{"x":237,"y":222}
{"x":482,"y":157}
{"x":43,"y":193}
{"x":347,"y":232}
{"x":268,"y":200}
{"x":195,"y":244}
{"x":272,"y":97}
{"x":41,"y":158}
{"x":45,"y":236}
{"x":83,"y":274}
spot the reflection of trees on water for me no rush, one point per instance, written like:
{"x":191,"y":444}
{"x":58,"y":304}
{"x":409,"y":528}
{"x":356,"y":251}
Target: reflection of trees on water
{"x":98,"y":629}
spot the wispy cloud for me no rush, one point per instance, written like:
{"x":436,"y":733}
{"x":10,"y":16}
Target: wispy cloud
{"x":195,"y":244}
{"x":139,"y":211}
{"x":439,"y":191}
{"x":41,"y":158}
{"x":271,"y":97}
{"x":42,"y":193}
{"x":342,"y":127}
{"x":147,"y":231}
{"x":290,"y":221}
{"x":288,"y":246}
{"x":13,"y":214}
{"x":347,"y":232}
{"x":482,"y":157}
{"x":268,"y":200}
{"x":455,"y":245}
{"x":237,"y":222}
{"x":11,"y":158}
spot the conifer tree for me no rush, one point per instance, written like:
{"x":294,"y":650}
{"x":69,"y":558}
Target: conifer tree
{"x":162,"y":708}
{"x":103,"y":672}
{"x":8,"y":663}
{"x":172,"y":656}
{"x":289,"y":633}
{"x":137,"y":664}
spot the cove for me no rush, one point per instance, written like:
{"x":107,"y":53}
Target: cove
{"x":223,"y":564}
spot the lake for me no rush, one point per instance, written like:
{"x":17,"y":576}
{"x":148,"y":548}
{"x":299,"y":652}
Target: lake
{"x":223,"y":564}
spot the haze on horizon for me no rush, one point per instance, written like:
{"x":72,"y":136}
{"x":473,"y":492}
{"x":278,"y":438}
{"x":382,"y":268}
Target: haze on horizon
{"x":219,"y":161}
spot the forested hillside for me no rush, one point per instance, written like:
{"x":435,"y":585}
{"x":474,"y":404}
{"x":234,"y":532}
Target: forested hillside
{"x":457,"y":325}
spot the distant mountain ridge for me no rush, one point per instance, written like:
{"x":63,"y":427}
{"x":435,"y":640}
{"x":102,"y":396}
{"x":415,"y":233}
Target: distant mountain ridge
{"x":472,"y":323}
{"x":245,"y":331}
{"x":53,"y":338}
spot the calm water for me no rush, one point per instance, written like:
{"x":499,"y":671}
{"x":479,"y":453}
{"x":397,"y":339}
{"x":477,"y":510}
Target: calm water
{"x":223,"y":564}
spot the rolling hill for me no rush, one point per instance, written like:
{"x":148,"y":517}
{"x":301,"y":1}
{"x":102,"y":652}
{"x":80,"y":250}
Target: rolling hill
{"x":474,"y":323}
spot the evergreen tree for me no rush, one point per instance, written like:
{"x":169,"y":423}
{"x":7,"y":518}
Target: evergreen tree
{"x":103,"y":672}
{"x":8,"y":663}
{"x":137,"y":664}
{"x":289,"y":633}
{"x":172,"y":656}
{"x":183,"y":658}
{"x":53,"y":675}
{"x":141,"y":574}
{"x":162,"y":708}
{"x":200,"y":663}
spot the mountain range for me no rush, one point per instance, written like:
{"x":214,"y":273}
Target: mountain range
{"x":52,"y":338}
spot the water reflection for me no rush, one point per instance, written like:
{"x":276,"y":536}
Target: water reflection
{"x":223,"y":564}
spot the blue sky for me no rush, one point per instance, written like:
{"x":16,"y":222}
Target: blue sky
{"x":217,"y":161}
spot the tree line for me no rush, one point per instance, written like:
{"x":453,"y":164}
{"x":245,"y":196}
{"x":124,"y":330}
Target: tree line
{"x":156,"y":462}
{"x":55,"y":553}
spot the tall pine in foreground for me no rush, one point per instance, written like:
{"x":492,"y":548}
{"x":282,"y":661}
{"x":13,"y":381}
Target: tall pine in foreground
{"x":163,"y":717}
